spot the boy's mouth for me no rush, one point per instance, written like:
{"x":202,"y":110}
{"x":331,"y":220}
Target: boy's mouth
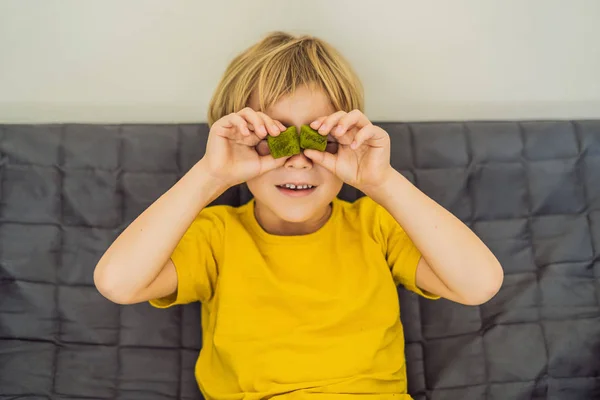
{"x":296,"y":189}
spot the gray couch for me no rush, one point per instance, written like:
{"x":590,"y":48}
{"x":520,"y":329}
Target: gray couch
{"x":530,"y":190}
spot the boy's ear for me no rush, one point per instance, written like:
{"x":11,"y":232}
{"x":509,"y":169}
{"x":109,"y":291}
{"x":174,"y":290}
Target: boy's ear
{"x":311,"y":139}
{"x":286,"y":144}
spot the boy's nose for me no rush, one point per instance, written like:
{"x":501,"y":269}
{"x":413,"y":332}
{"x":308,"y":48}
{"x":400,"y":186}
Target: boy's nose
{"x":299,"y":161}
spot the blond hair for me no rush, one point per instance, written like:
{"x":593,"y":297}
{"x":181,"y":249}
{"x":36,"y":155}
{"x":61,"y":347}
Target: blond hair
{"x":276,"y":66}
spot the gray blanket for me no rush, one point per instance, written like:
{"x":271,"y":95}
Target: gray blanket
{"x":530,"y":190}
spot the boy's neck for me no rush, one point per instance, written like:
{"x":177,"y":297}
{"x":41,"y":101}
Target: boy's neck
{"x":274,"y":225}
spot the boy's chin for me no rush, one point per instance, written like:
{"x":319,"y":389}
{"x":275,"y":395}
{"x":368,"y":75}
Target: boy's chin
{"x":298,"y":214}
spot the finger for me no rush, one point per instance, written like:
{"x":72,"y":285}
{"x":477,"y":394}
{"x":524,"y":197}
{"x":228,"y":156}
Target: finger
{"x":362,"y":136}
{"x":258,"y":125}
{"x":240,"y":123}
{"x":256,"y":122}
{"x":354,"y":118}
{"x":268,"y":163}
{"x":272,"y":127}
{"x":225,"y":125}
{"x":330,"y":122}
{"x":322,"y":158}
{"x":281,"y":126}
{"x":316,"y":124}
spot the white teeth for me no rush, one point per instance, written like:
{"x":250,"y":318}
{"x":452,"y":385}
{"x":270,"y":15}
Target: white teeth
{"x":299,"y":187}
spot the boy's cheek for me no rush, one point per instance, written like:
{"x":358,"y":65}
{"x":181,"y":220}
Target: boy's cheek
{"x":263,"y":187}
{"x":330,"y":179}
{"x":258,"y":184}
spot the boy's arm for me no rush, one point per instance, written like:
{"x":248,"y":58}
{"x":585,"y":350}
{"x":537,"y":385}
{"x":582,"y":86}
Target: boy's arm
{"x":137,"y":266}
{"x":456,"y":264}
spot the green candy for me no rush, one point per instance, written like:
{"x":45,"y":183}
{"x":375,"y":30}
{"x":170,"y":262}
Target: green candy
{"x":284,"y":145}
{"x":311,"y":139}
{"x":289,"y":143}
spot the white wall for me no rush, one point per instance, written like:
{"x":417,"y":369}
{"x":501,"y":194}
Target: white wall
{"x":160,"y":60}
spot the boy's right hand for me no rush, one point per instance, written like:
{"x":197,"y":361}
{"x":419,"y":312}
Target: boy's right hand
{"x":231,"y":157}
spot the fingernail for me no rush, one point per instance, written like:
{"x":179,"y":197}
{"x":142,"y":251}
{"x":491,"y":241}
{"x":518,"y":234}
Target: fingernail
{"x":263,"y":130}
{"x":323,"y":128}
{"x":339,"y":129}
{"x":276,"y":128}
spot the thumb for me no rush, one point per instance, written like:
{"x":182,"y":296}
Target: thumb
{"x":268,"y":163}
{"x":322,"y":158}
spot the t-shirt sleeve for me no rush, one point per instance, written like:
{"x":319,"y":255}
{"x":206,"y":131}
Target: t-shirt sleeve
{"x":195,"y":260}
{"x":401,"y":253}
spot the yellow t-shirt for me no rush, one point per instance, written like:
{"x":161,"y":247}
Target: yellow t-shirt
{"x":313,"y":316}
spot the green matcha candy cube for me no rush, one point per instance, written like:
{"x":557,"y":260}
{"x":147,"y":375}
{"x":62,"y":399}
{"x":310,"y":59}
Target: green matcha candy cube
{"x":284,"y":145}
{"x":311,"y":139}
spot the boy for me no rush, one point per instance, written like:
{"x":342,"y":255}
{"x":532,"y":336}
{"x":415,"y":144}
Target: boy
{"x":297,"y":287}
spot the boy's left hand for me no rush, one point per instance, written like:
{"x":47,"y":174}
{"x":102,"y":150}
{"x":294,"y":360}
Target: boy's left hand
{"x":363,"y":156}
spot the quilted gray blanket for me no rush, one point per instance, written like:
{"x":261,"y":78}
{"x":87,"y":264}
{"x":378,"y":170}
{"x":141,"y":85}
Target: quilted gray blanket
{"x":530,"y":190}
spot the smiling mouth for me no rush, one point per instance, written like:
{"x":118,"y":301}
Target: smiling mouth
{"x":291,"y":186}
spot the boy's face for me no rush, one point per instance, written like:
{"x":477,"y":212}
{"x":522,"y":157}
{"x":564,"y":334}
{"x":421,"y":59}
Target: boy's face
{"x":308,"y":205}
